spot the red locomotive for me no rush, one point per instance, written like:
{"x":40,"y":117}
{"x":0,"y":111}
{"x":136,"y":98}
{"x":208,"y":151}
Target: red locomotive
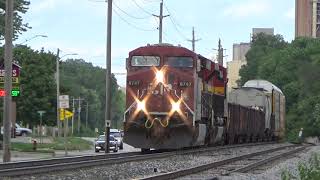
{"x":176,"y":98}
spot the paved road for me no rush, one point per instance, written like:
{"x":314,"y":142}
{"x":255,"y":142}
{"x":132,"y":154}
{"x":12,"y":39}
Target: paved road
{"x":25,"y":156}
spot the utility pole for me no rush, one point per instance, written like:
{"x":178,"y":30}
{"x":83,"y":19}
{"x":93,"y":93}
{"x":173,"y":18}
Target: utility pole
{"x":79,"y":114}
{"x":73,"y":111}
{"x":58,"y":91}
{"x":87,"y":113}
{"x":220,"y":53}
{"x":8,"y":56}
{"x":160,"y":21}
{"x":108,"y":76}
{"x":193,"y":40}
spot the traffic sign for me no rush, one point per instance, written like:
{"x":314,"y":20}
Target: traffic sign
{"x":64,"y":101}
{"x":67,"y":114}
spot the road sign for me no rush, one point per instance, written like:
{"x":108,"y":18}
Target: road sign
{"x":41,"y":112}
{"x":67,"y":114}
{"x":64,"y":101}
{"x":108,"y":123}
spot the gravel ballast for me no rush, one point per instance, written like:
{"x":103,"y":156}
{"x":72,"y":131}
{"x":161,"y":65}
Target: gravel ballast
{"x":147,"y":168}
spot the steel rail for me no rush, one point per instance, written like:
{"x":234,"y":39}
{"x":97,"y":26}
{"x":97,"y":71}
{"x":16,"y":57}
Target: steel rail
{"x":68,"y":163}
{"x":201,"y":168}
{"x":255,"y":165}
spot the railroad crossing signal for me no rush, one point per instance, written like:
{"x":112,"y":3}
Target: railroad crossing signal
{"x":67,"y":114}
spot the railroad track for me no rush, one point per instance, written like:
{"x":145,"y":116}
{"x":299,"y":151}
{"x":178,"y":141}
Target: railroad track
{"x":243,"y":163}
{"x":69,"y":163}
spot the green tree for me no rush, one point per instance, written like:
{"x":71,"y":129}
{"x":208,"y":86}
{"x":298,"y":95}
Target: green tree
{"x":82,"y":79}
{"x":20,"y":7}
{"x":295,"y":68}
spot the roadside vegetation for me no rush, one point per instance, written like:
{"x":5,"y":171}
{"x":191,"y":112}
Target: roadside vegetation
{"x":74,"y":143}
{"x":306,"y":171}
{"x":77,"y":79}
{"x":295,"y":68}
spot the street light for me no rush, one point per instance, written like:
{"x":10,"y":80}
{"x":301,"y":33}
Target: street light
{"x":38,"y":35}
{"x":58,"y":84}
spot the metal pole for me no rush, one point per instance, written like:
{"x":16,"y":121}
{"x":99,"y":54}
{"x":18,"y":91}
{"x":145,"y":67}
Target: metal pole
{"x":65,"y":132}
{"x":193,"y":40}
{"x":160,"y":21}
{"x":73,"y":111}
{"x":40,"y":128}
{"x":108,"y":74}
{"x":161,"y":16}
{"x":79,"y":115}
{"x":8,"y":55}
{"x":87,"y":113}
{"x":58,"y":91}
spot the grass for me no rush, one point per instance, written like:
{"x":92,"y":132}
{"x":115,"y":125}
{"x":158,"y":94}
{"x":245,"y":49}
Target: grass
{"x":73,"y":143}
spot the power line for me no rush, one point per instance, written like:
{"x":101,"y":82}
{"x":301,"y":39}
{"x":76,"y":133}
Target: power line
{"x":134,"y":26}
{"x":134,"y":17}
{"x":174,"y":19}
{"x":147,"y":12}
{"x":175,"y":25}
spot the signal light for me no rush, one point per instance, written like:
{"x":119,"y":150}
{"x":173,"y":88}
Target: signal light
{"x":14,"y":93}
{"x":2,"y":93}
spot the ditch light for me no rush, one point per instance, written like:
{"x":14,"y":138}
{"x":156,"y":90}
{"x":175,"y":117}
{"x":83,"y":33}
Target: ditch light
{"x":14,"y":93}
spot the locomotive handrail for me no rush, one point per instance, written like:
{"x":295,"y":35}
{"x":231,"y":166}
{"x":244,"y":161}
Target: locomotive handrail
{"x":192,"y":112}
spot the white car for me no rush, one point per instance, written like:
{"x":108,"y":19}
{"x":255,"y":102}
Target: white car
{"x":20,"y":131}
{"x":117,"y":135}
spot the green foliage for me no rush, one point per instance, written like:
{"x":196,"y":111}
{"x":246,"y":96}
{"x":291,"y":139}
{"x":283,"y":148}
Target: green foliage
{"x":294,"y":68}
{"x":77,"y":79}
{"x":307,"y":171}
{"x":20,"y":7}
{"x":82,"y":79}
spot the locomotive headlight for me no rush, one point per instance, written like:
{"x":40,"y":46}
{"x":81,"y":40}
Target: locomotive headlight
{"x":175,"y":106}
{"x":159,"y":76}
{"x":141,"y":105}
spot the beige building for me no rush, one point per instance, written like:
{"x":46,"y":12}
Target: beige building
{"x":233,"y":73}
{"x":307,"y":20}
{"x":268,"y":31}
{"x":239,"y":58}
{"x":239,"y":51}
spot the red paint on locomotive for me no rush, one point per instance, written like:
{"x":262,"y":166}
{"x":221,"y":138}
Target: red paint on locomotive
{"x":164,"y":87}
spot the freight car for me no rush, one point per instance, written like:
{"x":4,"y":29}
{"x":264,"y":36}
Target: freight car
{"x":176,"y":98}
{"x":258,"y":112}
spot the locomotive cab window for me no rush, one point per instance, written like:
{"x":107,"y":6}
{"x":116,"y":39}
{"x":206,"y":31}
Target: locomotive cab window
{"x":180,"y":62}
{"x":145,"y":61}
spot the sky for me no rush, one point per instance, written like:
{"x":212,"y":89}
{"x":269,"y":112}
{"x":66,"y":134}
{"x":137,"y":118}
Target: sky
{"x":79,"y":26}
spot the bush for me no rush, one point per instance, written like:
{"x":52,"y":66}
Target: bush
{"x":307,"y":171}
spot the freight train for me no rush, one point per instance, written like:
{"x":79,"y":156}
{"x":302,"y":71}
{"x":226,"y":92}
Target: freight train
{"x":176,"y":98}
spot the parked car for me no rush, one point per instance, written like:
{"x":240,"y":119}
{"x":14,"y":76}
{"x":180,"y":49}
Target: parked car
{"x":117,"y":134}
{"x":99,"y":144}
{"x":20,"y":131}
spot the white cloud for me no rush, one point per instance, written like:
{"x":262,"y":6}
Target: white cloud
{"x":248,"y":8}
{"x":290,"y":14}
